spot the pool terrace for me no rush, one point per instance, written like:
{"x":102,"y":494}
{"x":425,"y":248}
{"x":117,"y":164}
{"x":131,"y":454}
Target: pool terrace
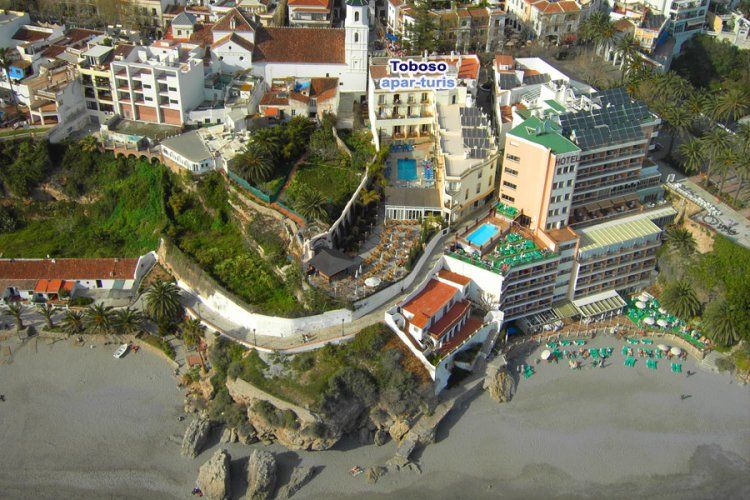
{"x":506,"y":210}
{"x":511,"y":247}
{"x":411,"y":165}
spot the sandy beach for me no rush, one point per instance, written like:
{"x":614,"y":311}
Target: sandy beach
{"x":77,"y":422}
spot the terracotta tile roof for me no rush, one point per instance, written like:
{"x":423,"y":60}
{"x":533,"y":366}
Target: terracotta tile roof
{"x":504,"y":60}
{"x":478,"y":12}
{"x":459,"y":279}
{"x":77,"y":34}
{"x":234,"y":38}
{"x":123,"y":50}
{"x":396,"y":3}
{"x":53,"y":51}
{"x":310,"y":3}
{"x":48,"y":286}
{"x":623,"y":25}
{"x":304,"y":45}
{"x":469,"y":66}
{"x":26,"y":35}
{"x":271,"y":111}
{"x":378,"y":72}
{"x":67,"y":269}
{"x":429,"y":301}
{"x":470,"y":328}
{"x":449,"y":319}
{"x":274,"y":98}
{"x":241,"y":23}
{"x":547,"y":7}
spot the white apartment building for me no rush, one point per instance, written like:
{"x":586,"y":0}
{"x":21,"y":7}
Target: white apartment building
{"x":548,"y":20}
{"x":687,"y":17}
{"x":161,"y":84}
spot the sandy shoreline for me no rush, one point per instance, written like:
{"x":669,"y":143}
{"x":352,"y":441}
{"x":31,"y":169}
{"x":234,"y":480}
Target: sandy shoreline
{"x":77,"y":422}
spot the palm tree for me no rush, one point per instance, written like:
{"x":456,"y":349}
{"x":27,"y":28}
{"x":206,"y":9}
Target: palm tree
{"x":678,"y":119}
{"x":726,"y":163}
{"x":254,"y":166}
{"x":163,"y":301}
{"x":719,"y":323}
{"x":192,"y":331}
{"x":311,"y":204}
{"x":99,"y":318}
{"x":368,"y":197}
{"x":627,"y":47}
{"x":679,"y":297}
{"x":742,"y":144}
{"x":733,"y":103}
{"x":715,"y":144}
{"x":16,"y":309}
{"x":88,"y":144}
{"x":72,"y":322}
{"x":128,"y":321}
{"x":680,"y":240}
{"x":47,"y":311}
{"x":693,"y":156}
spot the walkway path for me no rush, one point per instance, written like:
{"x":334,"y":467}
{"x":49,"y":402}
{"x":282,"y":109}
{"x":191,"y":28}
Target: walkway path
{"x":729,"y":219}
{"x":292,"y":341}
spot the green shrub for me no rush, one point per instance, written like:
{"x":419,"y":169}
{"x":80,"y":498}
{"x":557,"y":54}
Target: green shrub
{"x":80,"y":301}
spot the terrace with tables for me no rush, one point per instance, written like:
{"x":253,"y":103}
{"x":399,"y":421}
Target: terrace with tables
{"x":645,"y":311}
{"x":600,"y":211}
{"x":382,"y":265}
{"x":498,"y":246}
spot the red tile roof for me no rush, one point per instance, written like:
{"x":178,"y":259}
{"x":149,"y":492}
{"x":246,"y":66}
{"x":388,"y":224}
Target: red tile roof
{"x":470,"y":328}
{"x":26,"y":35}
{"x":320,"y":89}
{"x":234,"y":38}
{"x":273,"y":98}
{"x":429,"y":301}
{"x":504,"y":60}
{"x":241,"y":23}
{"x":67,"y":269}
{"x":459,"y":279}
{"x":48,"y":286}
{"x":303,"y":45}
{"x":449,"y":319}
{"x":77,"y":34}
{"x":310,"y":3}
{"x":53,"y":51}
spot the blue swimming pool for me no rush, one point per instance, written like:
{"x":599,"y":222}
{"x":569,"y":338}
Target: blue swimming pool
{"x":407,"y":169}
{"x":482,"y":234}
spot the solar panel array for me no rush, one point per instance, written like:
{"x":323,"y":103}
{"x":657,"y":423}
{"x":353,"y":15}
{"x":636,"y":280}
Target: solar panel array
{"x":533,"y":79}
{"x":475,"y":133}
{"x":616,"y":118}
{"x":508,"y":81}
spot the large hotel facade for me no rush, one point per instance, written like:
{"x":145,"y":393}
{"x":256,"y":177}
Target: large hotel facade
{"x":578,"y":215}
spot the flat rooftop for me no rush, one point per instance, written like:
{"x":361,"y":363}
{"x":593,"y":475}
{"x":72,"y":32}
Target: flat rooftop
{"x":544,"y":133}
{"x":616,"y":233}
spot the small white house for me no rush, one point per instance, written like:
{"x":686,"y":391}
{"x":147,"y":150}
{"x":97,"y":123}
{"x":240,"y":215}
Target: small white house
{"x":188,"y":151}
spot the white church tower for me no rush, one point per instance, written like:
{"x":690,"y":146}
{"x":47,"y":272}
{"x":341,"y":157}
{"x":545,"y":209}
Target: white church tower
{"x":357,"y":29}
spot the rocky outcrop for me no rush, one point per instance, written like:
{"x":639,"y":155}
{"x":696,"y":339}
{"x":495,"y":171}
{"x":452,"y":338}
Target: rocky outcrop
{"x":195,"y":437}
{"x":372,"y":474}
{"x":213,"y":477}
{"x":261,"y":475}
{"x":305,"y":436}
{"x":229,"y":435}
{"x":398,"y":430}
{"x":499,"y":382}
{"x":381,"y":437}
{"x":300,"y":477}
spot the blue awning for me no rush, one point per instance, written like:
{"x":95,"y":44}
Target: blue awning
{"x":391,"y":37}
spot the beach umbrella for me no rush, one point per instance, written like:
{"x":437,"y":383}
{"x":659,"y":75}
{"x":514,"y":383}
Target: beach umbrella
{"x":662,"y":322}
{"x":372,"y":282}
{"x":640,"y":305}
{"x":644,"y":297}
{"x":663,"y":347}
{"x":546,"y":354}
{"x":662,"y":310}
{"x":649,"y":320}
{"x":676,"y":351}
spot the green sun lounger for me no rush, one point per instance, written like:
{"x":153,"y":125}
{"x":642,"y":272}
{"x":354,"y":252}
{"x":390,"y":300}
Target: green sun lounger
{"x":651,"y":363}
{"x":676,"y":368}
{"x":580,"y":342}
{"x":647,"y":341}
{"x":565,"y":343}
{"x":624,"y":350}
{"x":551,"y":345}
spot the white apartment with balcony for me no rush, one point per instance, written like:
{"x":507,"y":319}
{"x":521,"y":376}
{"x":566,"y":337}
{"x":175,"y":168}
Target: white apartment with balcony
{"x":162,"y":83}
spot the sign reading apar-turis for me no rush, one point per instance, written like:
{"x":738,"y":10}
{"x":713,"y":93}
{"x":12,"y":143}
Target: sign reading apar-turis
{"x":417,"y":75}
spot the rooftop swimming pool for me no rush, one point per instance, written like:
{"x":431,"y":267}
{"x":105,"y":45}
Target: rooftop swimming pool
{"x":482,"y":234}
{"x":407,"y":169}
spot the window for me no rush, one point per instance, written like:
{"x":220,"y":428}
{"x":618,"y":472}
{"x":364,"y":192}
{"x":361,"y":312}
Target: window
{"x":512,"y":157}
{"x":242,"y":58}
{"x":479,"y":186}
{"x":510,"y":171}
{"x":567,"y":196}
{"x":356,"y":19}
{"x":356,"y":37}
{"x":569,"y":183}
{"x":507,"y":198}
{"x":480,"y":174}
{"x":172,"y":89}
{"x":509,"y":185}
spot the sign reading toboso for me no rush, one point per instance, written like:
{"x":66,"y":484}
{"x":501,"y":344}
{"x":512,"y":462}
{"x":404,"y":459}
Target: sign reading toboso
{"x":419,"y":76}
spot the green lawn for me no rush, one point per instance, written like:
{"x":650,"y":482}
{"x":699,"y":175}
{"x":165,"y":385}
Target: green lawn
{"x":334,"y":182}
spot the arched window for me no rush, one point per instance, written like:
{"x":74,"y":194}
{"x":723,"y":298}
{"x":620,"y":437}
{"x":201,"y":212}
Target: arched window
{"x":356,"y":19}
{"x":356,"y":37}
